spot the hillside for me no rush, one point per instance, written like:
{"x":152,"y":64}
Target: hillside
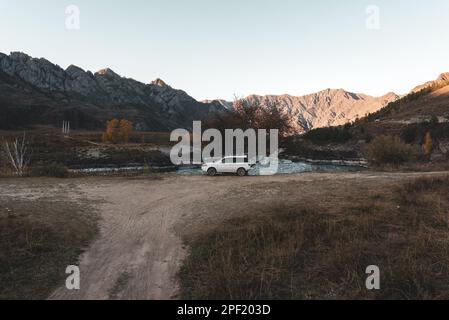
{"x":423,"y":112}
{"x":429,"y":103}
{"x":331,"y":107}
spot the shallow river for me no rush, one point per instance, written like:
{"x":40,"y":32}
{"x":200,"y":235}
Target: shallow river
{"x":287,"y":167}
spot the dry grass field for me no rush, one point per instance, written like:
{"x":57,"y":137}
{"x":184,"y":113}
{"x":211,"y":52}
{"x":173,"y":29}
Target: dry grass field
{"x":168,"y":236}
{"x":287,"y":251}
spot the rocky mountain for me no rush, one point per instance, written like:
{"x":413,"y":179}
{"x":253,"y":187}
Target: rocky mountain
{"x":326,"y":108}
{"x":441,"y":81}
{"x":36,"y":91}
{"x":331,"y":107}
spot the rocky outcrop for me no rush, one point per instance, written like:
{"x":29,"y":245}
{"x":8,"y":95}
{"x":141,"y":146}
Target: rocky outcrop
{"x":441,"y":81}
{"x":77,"y":93}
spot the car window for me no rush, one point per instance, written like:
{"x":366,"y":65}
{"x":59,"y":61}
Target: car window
{"x":240,"y":160}
{"x":235,"y":160}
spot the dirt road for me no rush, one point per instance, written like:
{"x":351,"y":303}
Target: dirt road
{"x":139,"y":248}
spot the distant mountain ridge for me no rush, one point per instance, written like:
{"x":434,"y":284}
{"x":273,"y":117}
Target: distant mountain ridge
{"x":36,"y":91}
{"x":330,"y":107}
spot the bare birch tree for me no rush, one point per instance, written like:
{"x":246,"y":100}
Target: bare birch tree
{"x":17,"y":154}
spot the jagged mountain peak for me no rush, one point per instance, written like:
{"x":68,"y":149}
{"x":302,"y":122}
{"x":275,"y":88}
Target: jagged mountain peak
{"x":74,"y":71}
{"x":18,"y":55}
{"x":160,"y":83}
{"x":107,"y":72}
{"x":73,"y":67}
{"x":443,"y":77}
{"x":21,"y":57}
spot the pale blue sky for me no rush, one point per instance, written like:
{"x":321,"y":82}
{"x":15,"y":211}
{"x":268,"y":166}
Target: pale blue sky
{"x":218,"y":48}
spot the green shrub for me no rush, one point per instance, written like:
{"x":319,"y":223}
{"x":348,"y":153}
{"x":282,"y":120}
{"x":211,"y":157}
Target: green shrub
{"x":388,"y":150}
{"x":56,"y":170}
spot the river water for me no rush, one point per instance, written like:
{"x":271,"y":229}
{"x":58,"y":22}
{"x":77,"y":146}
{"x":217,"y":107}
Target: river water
{"x":286,"y":167}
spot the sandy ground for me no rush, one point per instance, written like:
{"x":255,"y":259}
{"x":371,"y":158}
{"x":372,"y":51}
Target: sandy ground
{"x":139,"y":249}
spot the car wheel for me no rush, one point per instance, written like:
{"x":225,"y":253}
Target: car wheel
{"x":211,"y":172}
{"x":241,"y":172}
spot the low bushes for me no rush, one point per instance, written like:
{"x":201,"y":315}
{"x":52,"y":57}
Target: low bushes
{"x":388,"y":150}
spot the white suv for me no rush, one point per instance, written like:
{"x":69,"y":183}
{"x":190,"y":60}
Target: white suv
{"x":239,"y":165}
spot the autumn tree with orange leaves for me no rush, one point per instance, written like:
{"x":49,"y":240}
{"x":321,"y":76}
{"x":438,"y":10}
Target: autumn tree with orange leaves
{"x":427,"y":145}
{"x":117,"y":131}
{"x":125,"y":130}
